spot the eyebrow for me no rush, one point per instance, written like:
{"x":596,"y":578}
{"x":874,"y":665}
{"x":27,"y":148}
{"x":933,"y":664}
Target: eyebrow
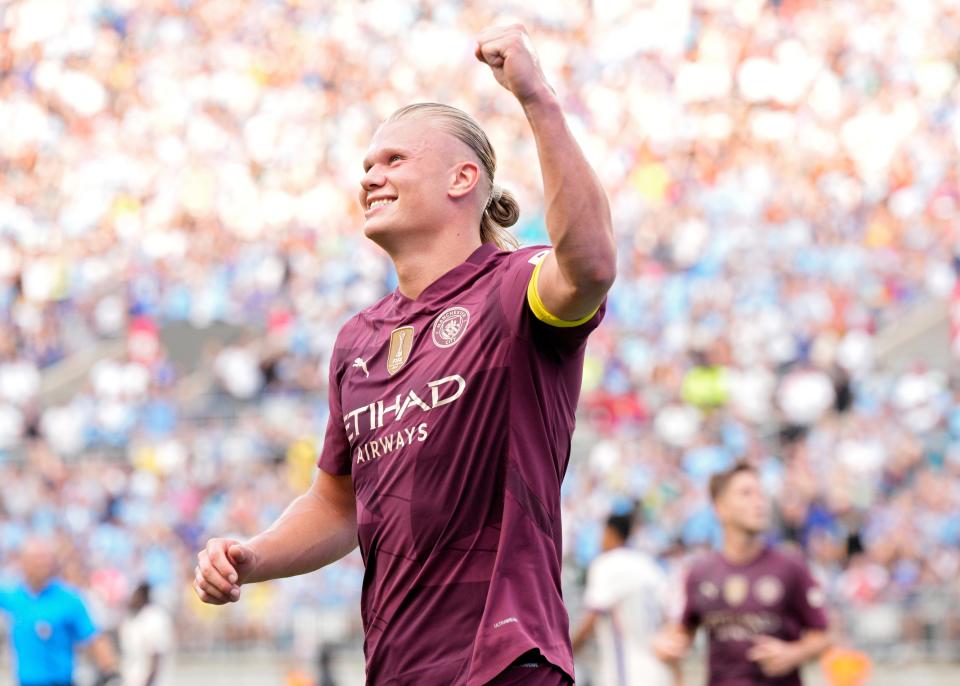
{"x":383,"y":153}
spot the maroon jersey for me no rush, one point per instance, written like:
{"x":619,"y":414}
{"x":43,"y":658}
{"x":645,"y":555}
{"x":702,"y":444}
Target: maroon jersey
{"x":774,"y":595}
{"x":453,"y":413}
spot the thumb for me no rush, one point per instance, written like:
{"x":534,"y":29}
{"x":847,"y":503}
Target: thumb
{"x":239,"y":554}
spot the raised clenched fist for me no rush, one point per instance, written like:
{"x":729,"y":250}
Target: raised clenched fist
{"x":510,"y":54}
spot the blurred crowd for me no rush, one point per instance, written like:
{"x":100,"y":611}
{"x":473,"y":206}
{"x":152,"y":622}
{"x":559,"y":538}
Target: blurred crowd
{"x":783,"y":177}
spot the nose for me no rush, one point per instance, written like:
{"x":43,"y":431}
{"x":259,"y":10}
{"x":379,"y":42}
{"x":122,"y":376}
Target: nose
{"x":372,"y":179}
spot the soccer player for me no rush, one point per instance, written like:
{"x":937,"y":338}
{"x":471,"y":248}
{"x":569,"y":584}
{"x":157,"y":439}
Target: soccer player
{"x":626,"y":602}
{"x":762,"y":609}
{"x":49,"y":621}
{"x":452,"y":402}
{"x":146,"y":640}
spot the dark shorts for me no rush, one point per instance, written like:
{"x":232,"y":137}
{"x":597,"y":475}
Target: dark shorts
{"x":532,"y":669}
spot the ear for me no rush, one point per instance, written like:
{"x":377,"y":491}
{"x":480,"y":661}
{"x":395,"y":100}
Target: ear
{"x":464,"y":178}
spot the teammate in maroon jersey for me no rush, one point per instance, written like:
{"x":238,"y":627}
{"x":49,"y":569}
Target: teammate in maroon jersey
{"x":452,"y":403}
{"x":762,"y":609}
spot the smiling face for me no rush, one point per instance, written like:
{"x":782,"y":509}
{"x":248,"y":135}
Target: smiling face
{"x":413,"y":180}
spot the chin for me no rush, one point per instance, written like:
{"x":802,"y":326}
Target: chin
{"x":382,"y":234}
{"x":374,"y":230}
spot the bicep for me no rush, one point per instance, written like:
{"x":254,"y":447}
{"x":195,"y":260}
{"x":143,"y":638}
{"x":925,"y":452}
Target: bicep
{"x":336,"y":492}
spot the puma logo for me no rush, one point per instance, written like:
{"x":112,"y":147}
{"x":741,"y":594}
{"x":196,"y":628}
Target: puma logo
{"x":359,"y":363}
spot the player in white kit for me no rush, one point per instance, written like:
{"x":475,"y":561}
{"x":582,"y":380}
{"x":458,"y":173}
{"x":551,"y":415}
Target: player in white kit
{"x":147,"y":638}
{"x":626,"y":600}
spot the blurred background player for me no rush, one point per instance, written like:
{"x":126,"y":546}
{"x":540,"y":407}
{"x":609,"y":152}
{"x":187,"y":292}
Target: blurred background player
{"x":146,"y":640}
{"x":763,"y":611}
{"x":452,"y":401}
{"x":49,"y":621}
{"x":625,"y":601}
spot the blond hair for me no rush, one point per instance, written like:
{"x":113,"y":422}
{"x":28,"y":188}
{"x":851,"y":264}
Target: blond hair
{"x":502,"y":209}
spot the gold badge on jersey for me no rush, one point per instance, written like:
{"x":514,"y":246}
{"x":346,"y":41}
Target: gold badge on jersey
{"x":768,"y":590}
{"x":401,"y":343}
{"x":735,"y":589}
{"x":709,"y":590}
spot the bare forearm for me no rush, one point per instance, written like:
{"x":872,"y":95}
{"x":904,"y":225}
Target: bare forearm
{"x":583,"y":632}
{"x":103,"y":654}
{"x":672,"y":643}
{"x":811,"y":646}
{"x":676,"y":673}
{"x":577,"y":209}
{"x":311,"y":533}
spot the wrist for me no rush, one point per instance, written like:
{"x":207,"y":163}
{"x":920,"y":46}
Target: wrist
{"x":540,"y":99}
{"x":254,"y":564}
{"x":798,"y":654}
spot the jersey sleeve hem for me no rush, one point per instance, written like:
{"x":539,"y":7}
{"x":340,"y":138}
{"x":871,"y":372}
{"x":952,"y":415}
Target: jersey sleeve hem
{"x":334,"y":470}
{"x":542,"y":313}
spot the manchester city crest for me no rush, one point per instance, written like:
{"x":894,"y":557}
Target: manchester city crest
{"x":450,"y":326}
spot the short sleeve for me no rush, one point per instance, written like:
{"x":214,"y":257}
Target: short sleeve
{"x":160,"y":631}
{"x":809,"y":600}
{"x":660,"y":582}
{"x":6,"y":600}
{"x":690,"y":618}
{"x":599,"y":595}
{"x":81,"y":624}
{"x":335,"y":453}
{"x":527,"y":315}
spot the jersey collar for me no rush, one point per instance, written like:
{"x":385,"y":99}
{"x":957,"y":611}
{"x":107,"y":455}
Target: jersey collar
{"x":438,"y":290}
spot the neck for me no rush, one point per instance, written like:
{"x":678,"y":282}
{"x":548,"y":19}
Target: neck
{"x":37,"y":585}
{"x":741,"y":547}
{"x":420,"y":263}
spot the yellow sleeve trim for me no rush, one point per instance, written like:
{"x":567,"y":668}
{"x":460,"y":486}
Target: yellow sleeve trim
{"x":541,"y":312}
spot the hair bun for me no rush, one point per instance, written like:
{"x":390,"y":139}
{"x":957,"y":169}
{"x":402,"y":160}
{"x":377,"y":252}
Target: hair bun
{"x":503,"y":207}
